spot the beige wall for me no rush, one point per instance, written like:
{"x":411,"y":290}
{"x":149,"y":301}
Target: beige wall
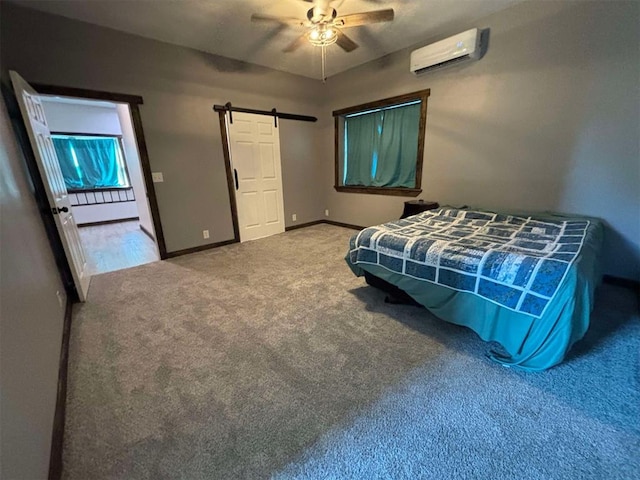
{"x":179,"y":87}
{"x":547,"y":120}
{"x":31,"y":320}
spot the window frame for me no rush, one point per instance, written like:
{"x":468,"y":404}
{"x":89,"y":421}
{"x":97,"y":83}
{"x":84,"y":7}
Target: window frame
{"x":339,"y":115}
{"x":100,"y":135}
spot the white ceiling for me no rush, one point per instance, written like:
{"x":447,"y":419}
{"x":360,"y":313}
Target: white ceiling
{"x":223,"y":27}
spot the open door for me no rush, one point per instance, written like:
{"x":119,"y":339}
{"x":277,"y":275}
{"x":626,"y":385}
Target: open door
{"x":254,"y":145}
{"x":47,"y":161}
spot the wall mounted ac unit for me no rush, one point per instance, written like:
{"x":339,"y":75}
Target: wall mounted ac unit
{"x":464,"y":46}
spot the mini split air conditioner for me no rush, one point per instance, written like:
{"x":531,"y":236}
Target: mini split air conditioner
{"x":464,"y":46}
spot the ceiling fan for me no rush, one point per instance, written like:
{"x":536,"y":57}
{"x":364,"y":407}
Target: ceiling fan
{"x":324,"y":26}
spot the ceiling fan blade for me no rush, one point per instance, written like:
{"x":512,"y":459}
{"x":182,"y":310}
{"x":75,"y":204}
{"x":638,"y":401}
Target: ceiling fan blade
{"x":296,"y":44}
{"x":345,"y":42}
{"x":258,"y":17}
{"x":364,"y":18}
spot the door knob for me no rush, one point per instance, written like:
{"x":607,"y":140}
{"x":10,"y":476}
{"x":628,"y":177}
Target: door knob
{"x":56,"y":211}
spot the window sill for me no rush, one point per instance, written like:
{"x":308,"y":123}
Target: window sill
{"x":396,"y":191}
{"x":94,"y":190}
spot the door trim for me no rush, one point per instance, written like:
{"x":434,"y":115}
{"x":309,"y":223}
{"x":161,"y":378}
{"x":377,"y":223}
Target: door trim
{"x":134,"y":101}
{"x":230,"y":183}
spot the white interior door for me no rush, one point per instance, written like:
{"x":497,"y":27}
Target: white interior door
{"x":47,"y":160}
{"x":255,"y":157}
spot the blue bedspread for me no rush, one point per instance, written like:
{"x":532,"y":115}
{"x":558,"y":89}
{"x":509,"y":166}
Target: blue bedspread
{"x":515,"y":262}
{"x":524,"y":282}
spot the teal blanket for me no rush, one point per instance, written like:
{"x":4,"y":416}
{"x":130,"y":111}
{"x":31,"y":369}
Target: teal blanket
{"x":535,"y":337}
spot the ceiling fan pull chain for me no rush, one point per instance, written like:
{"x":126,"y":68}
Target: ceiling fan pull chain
{"x":324,"y":61}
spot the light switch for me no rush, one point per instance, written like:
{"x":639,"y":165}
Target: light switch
{"x":157,"y":177}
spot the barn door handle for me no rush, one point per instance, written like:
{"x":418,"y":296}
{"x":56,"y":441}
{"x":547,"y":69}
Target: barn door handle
{"x":56,"y":211}
{"x":235,"y":175}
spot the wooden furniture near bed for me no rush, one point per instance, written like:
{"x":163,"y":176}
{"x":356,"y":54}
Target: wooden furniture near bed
{"x":525,"y":281}
{"x":414,"y":207}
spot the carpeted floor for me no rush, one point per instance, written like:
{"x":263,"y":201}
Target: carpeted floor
{"x":271,"y":360}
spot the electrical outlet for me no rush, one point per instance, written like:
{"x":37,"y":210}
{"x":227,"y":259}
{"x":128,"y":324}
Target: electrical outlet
{"x":294,"y":217}
{"x":157,"y":177}
{"x":205,"y":233}
{"x":326,"y":212}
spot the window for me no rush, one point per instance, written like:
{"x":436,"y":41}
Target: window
{"x":90,"y":162}
{"x":379,"y":145}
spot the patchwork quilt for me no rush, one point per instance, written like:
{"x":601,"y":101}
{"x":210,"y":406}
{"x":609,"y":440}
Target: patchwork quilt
{"x":515,"y":262}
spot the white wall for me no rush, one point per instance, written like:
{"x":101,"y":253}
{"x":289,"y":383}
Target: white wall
{"x":135,"y":170}
{"x":100,"y":118}
{"x":97,"y":117}
{"x":104,"y":212}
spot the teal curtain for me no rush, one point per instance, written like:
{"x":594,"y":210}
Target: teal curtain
{"x":72,"y":174}
{"x":381,"y":147}
{"x":90,"y":163}
{"x":361,"y":139}
{"x":398,"y":148}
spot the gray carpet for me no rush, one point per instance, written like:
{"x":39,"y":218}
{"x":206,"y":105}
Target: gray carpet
{"x":271,"y":360}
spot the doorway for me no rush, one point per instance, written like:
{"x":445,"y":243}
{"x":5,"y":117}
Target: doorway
{"x":97,"y":151}
{"x":49,"y":182}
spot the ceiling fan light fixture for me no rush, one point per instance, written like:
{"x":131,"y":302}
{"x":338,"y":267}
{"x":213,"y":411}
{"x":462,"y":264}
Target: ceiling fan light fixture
{"x":322,"y":36}
{"x":324,"y":27}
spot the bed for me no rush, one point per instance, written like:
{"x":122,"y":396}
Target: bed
{"x":525,"y":281}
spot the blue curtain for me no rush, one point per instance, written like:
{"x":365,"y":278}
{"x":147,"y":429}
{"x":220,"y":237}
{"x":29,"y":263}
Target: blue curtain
{"x":361,"y":140}
{"x":72,"y":174}
{"x":398,"y":149}
{"x":90,"y":163}
{"x":381,"y":147}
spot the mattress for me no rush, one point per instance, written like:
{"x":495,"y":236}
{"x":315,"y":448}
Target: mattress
{"x":524,"y":281}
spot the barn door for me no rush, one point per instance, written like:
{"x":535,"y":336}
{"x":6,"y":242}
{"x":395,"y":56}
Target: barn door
{"x":254,"y":145}
{"x":56,"y":190}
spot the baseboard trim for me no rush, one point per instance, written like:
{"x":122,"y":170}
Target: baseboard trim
{"x":209,"y":246}
{"x":148,"y":233}
{"x":200,"y":248}
{"x":345,"y":225}
{"x":323,"y":221}
{"x":108,"y":222}
{"x":303,"y":225}
{"x":57,"y":436}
